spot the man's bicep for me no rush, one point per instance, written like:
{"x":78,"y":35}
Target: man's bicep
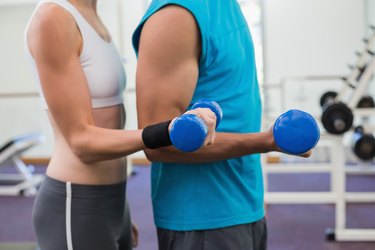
{"x":167,"y":71}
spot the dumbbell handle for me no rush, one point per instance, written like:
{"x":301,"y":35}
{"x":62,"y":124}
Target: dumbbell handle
{"x":339,"y":124}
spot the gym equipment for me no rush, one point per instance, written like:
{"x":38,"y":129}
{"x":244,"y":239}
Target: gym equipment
{"x":337,"y":118}
{"x":296,"y":132}
{"x":10,"y":154}
{"x":334,"y":164}
{"x":361,"y":74}
{"x":188,"y":132}
{"x":363,"y":145}
{"x":327,"y":98}
{"x":338,"y":108}
{"x":338,"y":194}
{"x":366,"y":102}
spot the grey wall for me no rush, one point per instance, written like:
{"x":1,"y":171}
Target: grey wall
{"x":309,"y":37}
{"x":18,"y":115}
{"x":370,"y":8}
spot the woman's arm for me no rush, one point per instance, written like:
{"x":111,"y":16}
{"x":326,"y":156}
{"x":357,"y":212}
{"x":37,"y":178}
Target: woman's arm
{"x":55,"y":43}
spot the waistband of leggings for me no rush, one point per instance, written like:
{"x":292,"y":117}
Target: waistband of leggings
{"x":83,"y":190}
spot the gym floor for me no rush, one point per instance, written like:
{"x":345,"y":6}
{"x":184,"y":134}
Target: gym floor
{"x":290,"y":227}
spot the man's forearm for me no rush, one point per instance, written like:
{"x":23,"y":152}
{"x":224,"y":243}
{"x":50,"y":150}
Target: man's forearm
{"x":226,"y":146}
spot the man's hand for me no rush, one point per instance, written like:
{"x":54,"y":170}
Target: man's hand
{"x":274,"y":146}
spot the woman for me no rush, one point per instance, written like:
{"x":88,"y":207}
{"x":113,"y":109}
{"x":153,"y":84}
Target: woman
{"x":81,"y":203}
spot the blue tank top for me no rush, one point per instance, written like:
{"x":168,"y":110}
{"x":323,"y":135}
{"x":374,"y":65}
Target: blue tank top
{"x":224,"y":193}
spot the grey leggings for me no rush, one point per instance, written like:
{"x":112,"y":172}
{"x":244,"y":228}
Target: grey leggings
{"x":80,"y":217}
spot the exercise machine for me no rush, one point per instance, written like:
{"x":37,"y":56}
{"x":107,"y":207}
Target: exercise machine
{"x":348,"y":109}
{"x":337,"y":195}
{"x":24,"y":182}
{"x":337,"y":116}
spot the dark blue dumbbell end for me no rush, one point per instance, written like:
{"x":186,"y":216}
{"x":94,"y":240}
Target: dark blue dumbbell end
{"x":188,"y":132}
{"x":214,"y":106}
{"x":296,"y":132}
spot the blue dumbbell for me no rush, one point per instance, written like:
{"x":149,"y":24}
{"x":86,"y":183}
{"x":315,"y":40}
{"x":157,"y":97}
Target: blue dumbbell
{"x":188,"y":132}
{"x":296,"y":132}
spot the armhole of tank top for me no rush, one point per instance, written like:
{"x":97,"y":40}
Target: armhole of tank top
{"x":76,"y":16}
{"x":198,"y":17}
{"x":26,"y":41}
{"x":193,"y":11}
{"x":81,"y":47}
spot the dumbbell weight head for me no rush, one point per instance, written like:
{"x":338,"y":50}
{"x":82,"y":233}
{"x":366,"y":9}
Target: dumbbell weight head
{"x":328,"y":98}
{"x":363,"y":145}
{"x":188,"y":132}
{"x":296,"y":132}
{"x":366,"y":102}
{"x":337,"y":118}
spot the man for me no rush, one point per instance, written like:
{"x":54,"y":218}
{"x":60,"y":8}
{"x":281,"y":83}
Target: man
{"x":212,"y":198}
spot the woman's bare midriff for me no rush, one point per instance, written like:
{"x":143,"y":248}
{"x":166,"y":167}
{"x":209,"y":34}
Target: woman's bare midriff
{"x":66,"y":166}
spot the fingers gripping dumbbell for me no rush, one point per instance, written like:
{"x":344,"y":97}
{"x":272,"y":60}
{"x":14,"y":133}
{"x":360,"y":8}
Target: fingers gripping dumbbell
{"x":188,"y":132}
{"x":296,"y":132}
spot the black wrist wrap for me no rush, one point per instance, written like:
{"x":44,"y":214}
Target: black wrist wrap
{"x":156,"y":136}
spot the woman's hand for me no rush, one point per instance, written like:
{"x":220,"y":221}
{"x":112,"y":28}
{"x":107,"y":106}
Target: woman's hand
{"x":134,"y":235}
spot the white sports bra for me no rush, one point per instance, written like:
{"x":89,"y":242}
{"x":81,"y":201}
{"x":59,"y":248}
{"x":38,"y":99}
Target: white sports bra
{"x":99,"y":59}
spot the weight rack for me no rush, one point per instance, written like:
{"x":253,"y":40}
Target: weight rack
{"x":337,"y":195}
{"x":360,"y":75}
